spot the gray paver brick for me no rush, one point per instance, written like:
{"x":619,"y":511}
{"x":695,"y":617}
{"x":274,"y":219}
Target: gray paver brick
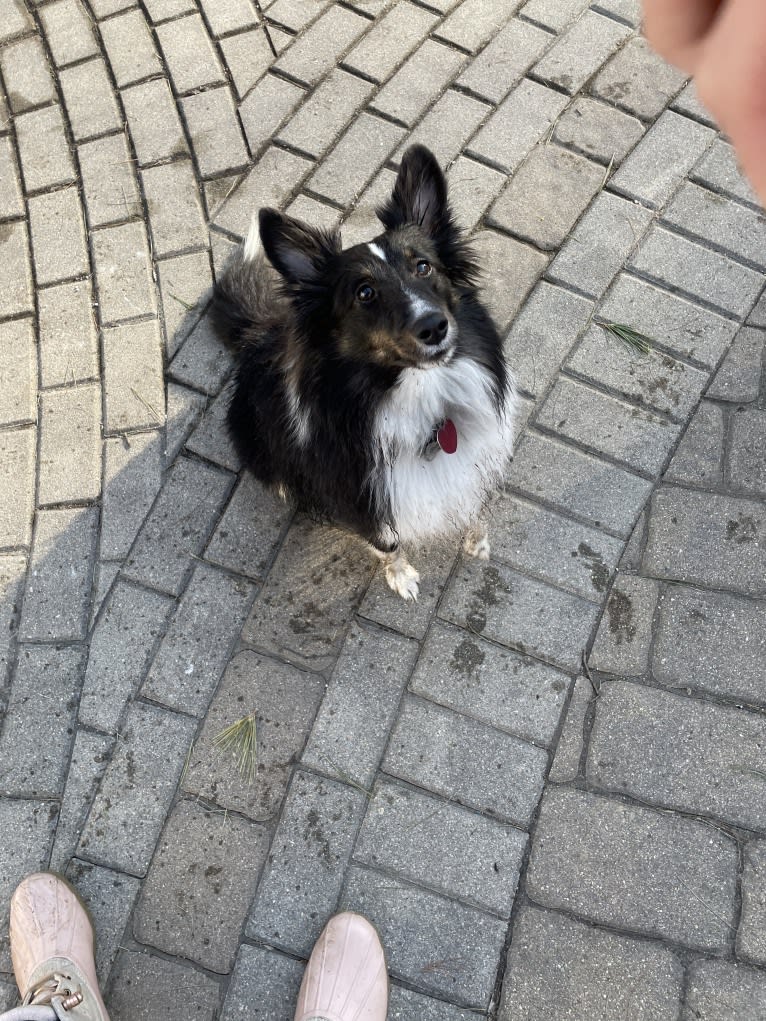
{"x":264,"y":981}
{"x":185,"y":285}
{"x":129,"y":46}
{"x":228,"y":15}
{"x":89,"y":100}
{"x":164,"y":10}
{"x":319,"y":48}
{"x":580,"y":51}
{"x":490,"y":684}
{"x":598,"y":130}
{"x":560,"y":968}
{"x":270,"y":183}
{"x":159,"y":136}
{"x":18,"y":449}
{"x":355,"y":158}
{"x":517,"y":125}
{"x":70,"y":445}
{"x":202,"y":362}
{"x":58,"y":236}
{"x":68,"y":343}
{"x":724,"y":991}
{"x":467,"y":761}
{"x":189,"y":53}
{"x":605,"y":495}
{"x":472,"y":187}
{"x":214,"y":130}
{"x":301,"y":613}
{"x":638,"y":438}
{"x":679,"y":753}
{"x":90,"y":755}
{"x":662,"y":159}
{"x":103,"y":8}
{"x":133,"y":390}
{"x":654,"y":380}
{"x":194,"y":900}
{"x":699,"y":457}
{"x":109,"y":898}
{"x":623,"y":639}
{"x":11,"y":202}
{"x":421,"y":930}
{"x":719,"y":170}
{"x":307,"y":862}
{"x":554,"y":14}
{"x":211,"y":438}
{"x":638,"y":80}
{"x":556,"y":549}
{"x":15,"y":20}
{"x":268,"y":105}
{"x":199,"y":641}
{"x":546,"y":196}
{"x":687,"y":101}
{"x":123,"y":272}
{"x":37,"y":821}
{"x":12,"y":577}
{"x":543,"y":333}
{"x":707,"y":539}
{"x":43,"y":149}
{"x":108,"y":181}
{"x":248,"y":55}
{"x":38,"y":721}
{"x":415,"y":86}
{"x":16,"y":295}
{"x":238,"y":545}
{"x":746,"y":468}
{"x":711,"y":642}
{"x":132,"y":479}
{"x":284,"y":701}
{"x":505,"y":295}
{"x":445,"y":129}
{"x":751,"y":937}
{"x":174,"y":205}
{"x":406,"y":1005}
{"x":545,"y":621}
{"x":362,"y":698}
{"x":69,"y":32}
{"x":390,"y":41}
{"x":178,"y":526}
{"x":739,"y":378}
{"x":329,"y":108}
{"x":121,"y":649}
{"x":58,"y":586}
{"x":26,"y":74}
{"x":184,"y":408}
{"x":437,"y":844}
{"x":363,"y":224}
{"x":709,"y":216}
{"x":135,"y":794}
{"x":145,"y":987}
{"x":475,"y":22}
{"x":17,"y":371}
{"x":503,"y":62}
{"x":566,"y":761}
{"x":600,"y":243}
{"x":648,"y":862}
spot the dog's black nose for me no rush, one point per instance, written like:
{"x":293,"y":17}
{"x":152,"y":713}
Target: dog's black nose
{"x":431,"y":328}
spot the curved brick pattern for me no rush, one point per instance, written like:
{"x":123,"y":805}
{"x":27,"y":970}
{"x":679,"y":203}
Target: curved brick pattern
{"x":151,"y":593}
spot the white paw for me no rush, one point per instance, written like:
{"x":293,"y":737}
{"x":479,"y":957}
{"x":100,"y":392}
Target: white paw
{"x":477,"y":546}
{"x":403,"y":579}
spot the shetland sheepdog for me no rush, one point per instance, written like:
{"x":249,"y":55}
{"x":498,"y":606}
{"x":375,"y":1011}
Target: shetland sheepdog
{"x":371,"y":387}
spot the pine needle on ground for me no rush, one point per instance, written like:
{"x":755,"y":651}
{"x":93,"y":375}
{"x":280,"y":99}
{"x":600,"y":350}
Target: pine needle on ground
{"x":241,"y":739}
{"x":630,"y":338}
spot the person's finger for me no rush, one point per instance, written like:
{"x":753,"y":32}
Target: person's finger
{"x":676,"y":27}
{"x":731,"y":82}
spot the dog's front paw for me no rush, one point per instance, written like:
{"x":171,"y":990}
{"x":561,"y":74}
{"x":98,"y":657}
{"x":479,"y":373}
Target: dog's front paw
{"x":476,"y":544}
{"x":403,"y":579}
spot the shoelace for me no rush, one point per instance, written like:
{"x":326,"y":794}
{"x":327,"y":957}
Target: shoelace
{"x":56,"y":992}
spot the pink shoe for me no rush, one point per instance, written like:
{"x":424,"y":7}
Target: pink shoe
{"x":52,"y":948}
{"x":346,"y":978}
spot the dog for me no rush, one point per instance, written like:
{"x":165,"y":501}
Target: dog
{"x":371,"y":386}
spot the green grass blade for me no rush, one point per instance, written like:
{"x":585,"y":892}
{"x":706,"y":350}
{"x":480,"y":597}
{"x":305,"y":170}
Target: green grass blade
{"x":631,"y":338}
{"x":240,"y":739}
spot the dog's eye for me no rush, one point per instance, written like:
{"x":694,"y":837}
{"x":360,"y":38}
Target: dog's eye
{"x":365,"y":293}
{"x":423,"y":268}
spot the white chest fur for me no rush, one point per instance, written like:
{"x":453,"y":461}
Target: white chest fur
{"x":443,"y":495}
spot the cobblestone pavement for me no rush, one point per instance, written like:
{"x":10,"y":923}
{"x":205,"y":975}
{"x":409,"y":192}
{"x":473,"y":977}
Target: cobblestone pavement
{"x":546,"y":782}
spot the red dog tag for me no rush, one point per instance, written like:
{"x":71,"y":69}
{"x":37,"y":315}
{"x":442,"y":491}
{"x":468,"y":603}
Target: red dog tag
{"x":446,"y":436}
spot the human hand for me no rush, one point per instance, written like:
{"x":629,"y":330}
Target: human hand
{"x":722,"y":44}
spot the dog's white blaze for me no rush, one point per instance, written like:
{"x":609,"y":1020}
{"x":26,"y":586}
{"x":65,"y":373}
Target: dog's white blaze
{"x":418,"y":305}
{"x":252,"y":242}
{"x":446,"y":494}
{"x":377,"y":250}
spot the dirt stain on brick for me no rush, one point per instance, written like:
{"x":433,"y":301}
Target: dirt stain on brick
{"x":314,"y":833}
{"x":467,"y":657}
{"x":485,"y":596}
{"x":599,"y":572}
{"x":744,"y":529}
{"x":620,"y":613}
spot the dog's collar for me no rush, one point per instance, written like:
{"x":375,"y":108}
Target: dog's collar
{"x":443,"y":437}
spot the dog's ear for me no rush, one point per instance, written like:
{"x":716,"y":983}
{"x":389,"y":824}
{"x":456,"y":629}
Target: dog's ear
{"x":419,"y":195}
{"x":295,"y":250}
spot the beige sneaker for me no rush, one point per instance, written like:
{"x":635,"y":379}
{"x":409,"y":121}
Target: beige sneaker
{"x":52,"y":948}
{"x":346,"y":978}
